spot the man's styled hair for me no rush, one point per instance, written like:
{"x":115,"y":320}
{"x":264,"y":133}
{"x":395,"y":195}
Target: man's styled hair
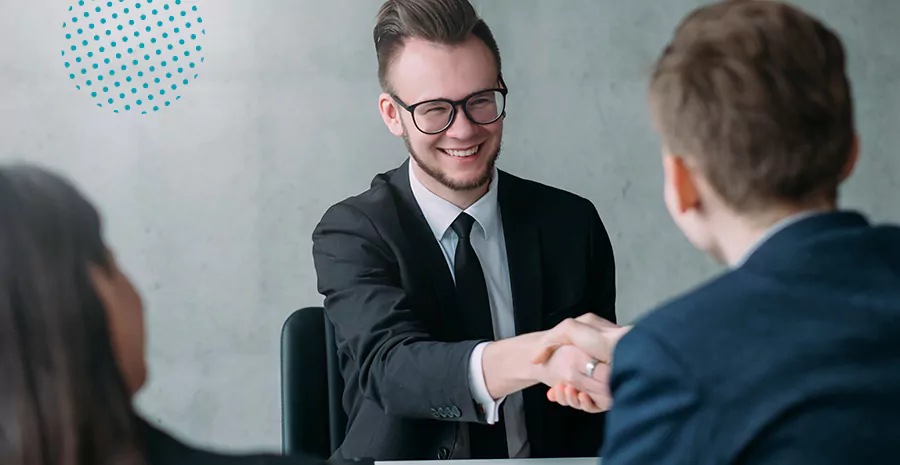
{"x":447,"y":22}
{"x":754,"y":93}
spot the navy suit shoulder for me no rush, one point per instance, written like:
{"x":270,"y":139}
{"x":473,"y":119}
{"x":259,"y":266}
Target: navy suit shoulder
{"x":790,"y":358}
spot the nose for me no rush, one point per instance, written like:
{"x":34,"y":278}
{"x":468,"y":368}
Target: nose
{"x":461,"y":128}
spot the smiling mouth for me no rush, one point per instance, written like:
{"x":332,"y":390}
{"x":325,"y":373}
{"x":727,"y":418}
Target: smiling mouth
{"x":462,"y":153}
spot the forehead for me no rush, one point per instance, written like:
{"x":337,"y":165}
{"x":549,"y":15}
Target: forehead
{"x":425,"y":70}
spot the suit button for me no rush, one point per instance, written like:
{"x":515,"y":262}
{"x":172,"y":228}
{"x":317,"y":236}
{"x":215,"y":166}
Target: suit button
{"x":455,"y":412}
{"x":443,"y":453}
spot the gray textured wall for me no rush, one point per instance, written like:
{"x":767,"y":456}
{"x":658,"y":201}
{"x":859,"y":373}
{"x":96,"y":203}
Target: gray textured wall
{"x":210,"y":203}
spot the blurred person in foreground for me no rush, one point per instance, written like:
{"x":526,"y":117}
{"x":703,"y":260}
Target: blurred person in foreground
{"x":72,"y":339}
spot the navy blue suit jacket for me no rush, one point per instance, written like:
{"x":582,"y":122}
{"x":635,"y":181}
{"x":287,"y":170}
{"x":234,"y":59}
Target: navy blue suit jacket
{"x":791,"y":358}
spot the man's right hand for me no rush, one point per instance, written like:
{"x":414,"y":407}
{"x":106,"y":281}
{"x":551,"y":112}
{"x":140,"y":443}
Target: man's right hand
{"x":566,"y":368}
{"x":558,"y":356}
{"x":587,"y":334}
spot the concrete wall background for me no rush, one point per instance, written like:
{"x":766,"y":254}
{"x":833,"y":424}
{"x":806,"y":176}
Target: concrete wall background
{"x":211,"y":202}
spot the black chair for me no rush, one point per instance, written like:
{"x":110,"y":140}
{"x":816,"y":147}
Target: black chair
{"x":312,"y":418}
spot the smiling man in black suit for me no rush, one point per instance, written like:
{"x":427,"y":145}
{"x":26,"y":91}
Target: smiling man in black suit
{"x":440,"y":278}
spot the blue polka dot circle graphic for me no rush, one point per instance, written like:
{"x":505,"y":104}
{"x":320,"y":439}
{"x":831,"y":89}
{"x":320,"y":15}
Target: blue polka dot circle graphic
{"x":133,"y":55}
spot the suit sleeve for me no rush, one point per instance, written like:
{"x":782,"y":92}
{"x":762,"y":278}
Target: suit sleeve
{"x":656,"y":415}
{"x":401,"y":368}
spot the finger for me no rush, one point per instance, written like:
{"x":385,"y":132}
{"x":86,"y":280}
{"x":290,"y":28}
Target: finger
{"x":591,"y":319}
{"x":590,"y":385}
{"x":547,"y":352}
{"x":603,"y":402}
{"x":606,"y":326}
{"x":551,"y":340}
{"x":557,"y":393}
{"x":601,"y":372}
{"x":581,"y":401}
{"x":572,"y":397}
{"x":561,"y":397}
{"x":551,"y":394}
{"x":554,"y":338}
{"x":598,"y":343}
{"x":587,"y":404}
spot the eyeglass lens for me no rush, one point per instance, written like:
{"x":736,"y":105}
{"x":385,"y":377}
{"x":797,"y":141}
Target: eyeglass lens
{"x":483,"y":108}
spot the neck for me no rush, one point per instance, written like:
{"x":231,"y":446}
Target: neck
{"x":461,"y":198}
{"x":736,"y":234}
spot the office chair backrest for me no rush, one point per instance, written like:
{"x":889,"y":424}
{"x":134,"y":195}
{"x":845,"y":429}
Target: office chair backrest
{"x":313,"y":420}
{"x":337,"y":417}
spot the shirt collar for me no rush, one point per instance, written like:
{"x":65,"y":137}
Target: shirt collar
{"x":440,"y":214}
{"x":774,"y":229}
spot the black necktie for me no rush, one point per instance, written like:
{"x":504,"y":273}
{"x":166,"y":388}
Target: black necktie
{"x":486,"y":441}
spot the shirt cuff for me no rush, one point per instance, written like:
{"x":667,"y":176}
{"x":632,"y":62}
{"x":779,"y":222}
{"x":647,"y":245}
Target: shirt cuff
{"x":478,"y":387}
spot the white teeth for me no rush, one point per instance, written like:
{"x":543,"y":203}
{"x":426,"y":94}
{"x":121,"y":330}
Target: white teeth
{"x":463,"y":153}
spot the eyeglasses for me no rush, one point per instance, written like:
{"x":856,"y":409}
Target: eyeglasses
{"x":435,"y":116}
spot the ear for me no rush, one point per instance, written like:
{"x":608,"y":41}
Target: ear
{"x":851,"y":160}
{"x":390,"y":113}
{"x":682,"y":182}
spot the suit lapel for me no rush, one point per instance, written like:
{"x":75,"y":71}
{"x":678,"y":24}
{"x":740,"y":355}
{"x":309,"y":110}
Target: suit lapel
{"x":523,"y":252}
{"x":422,"y":246}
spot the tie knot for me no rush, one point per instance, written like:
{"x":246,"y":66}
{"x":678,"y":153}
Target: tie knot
{"x":462,"y":225}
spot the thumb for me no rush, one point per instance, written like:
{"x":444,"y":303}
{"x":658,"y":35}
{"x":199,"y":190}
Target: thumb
{"x":552,"y":339}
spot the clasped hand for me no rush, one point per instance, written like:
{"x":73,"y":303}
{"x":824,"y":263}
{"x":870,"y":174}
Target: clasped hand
{"x":564,"y":354}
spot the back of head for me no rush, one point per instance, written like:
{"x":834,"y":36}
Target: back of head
{"x":755,"y":94}
{"x":62,"y":398}
{"x":447,"y":22}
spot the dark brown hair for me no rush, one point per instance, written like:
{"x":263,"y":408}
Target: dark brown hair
{"x":446,"y":22}
{"x":754,"y":92}
{"x":62,"y":398}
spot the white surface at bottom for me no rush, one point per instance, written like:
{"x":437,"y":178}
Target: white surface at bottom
{"x":569,"y":461}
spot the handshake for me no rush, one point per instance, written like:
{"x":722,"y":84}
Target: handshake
{"x":574,"y":360}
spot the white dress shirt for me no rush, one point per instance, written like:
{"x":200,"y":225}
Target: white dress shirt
{"x":489,"y":243}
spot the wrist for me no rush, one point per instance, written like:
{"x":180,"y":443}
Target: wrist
{"x":528,"y":369}
{"x":508,"y":367}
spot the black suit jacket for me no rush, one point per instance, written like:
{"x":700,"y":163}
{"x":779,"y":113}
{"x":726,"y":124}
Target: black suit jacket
{"x":164,"y":449}
{"x":792,"y":358}
{"x":389,"y":292}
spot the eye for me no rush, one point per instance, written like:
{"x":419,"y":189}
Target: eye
{"x":436,"y":108}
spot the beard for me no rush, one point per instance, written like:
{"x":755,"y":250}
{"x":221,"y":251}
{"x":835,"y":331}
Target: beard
{"x":441,"y":177}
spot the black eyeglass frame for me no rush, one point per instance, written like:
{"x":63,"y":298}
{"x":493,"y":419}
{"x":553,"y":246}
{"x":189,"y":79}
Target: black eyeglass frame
{"x":462,"y":103}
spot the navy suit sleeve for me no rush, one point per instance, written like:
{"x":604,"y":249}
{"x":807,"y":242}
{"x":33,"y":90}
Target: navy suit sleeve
{"x":656,"y":406}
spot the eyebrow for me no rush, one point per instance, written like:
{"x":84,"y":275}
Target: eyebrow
{"x":455,"y":99}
